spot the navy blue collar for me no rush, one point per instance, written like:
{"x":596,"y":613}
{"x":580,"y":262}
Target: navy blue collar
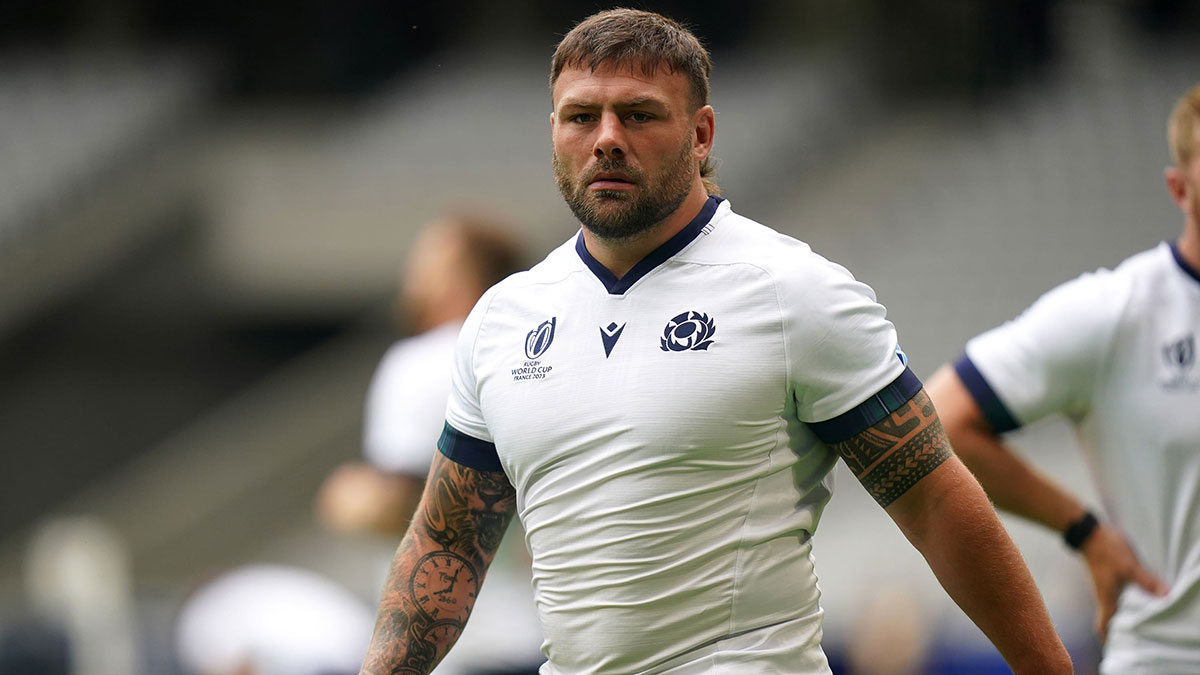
{"x":653,"y":259}
{"x":1191,"y":271}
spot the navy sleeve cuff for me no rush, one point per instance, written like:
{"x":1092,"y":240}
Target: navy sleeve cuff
{"x":993,"y":409}
{"x":868,"y":413}
{"x":468,"y":450}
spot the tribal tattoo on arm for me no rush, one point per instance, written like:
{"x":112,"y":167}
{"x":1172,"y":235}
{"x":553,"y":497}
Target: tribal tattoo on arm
{"x":901,"y":449}
{"x":438,"y":568}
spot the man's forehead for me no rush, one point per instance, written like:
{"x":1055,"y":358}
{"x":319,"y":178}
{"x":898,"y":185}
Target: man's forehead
{"x":630,"y":76}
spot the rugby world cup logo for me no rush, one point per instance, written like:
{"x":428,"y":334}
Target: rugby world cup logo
{"x":690,"y":331}
{"x":1181,"y":353}
{"x":539,"y":339}
{"x":1179,"y":357}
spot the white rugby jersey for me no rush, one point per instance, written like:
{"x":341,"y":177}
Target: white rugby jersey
{"x":662,"y":433}
{"x":406,"y":404}
{"x":1116,"y":352}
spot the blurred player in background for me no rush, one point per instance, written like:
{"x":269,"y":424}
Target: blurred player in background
{"x":270,"y":620}
{"x":663,"y":398}
{"x":452,"y":262}
{"x":1115,"y":351}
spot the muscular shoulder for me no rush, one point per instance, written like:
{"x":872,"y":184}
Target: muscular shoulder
{"x":800,"y":275}
{"x":839,"y":346}
{"x":731,"y":237}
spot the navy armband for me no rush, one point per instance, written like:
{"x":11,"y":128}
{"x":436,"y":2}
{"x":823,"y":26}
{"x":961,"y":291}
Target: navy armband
{"x":868,"y":413}
{"x":469,"y":451}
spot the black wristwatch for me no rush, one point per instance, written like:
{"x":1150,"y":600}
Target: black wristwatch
{"x":1078,"y":532}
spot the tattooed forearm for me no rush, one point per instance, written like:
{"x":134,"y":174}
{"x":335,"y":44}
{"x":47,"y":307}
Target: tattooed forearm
{"x":890,"y":457}
{"x":438,"y":568}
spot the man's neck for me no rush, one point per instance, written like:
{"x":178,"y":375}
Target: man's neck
{"x":620,"y":256}
{"x":1188,"y":244}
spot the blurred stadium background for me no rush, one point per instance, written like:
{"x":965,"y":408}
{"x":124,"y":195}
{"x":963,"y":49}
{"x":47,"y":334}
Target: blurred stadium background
{"x":203,"y":205}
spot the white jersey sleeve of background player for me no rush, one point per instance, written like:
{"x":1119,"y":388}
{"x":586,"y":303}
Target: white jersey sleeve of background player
{"x":407,"y":401}
{"x":1048,"y":359}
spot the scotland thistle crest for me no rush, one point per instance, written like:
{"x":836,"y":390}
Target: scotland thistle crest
{"x":689,"y":331}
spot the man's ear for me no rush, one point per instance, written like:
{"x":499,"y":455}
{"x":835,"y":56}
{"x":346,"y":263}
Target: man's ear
{"x":704,"y":123}
{"x":1176,"y":184}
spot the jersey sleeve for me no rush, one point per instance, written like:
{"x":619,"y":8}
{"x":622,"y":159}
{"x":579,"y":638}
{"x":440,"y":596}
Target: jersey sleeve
{"x":847,"y":371}
{"x":404,"y":409}
{"x":465,"y":436}
{"x":1046,"y":360}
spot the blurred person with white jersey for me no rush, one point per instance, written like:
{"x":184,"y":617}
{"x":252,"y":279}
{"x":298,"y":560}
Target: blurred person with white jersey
{"x":452,"y":262}
{"x":1115,"y":352}
{"x":662,"y":400}
{"x":265,"y":619}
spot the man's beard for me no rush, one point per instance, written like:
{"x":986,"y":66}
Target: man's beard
{"x":616,"y":215}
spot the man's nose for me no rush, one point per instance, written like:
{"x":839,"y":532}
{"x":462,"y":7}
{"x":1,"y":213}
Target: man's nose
{"x":610,"y":137}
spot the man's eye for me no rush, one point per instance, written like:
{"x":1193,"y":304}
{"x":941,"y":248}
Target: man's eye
{"x":583,"y":118}
{"x":640,"y":117}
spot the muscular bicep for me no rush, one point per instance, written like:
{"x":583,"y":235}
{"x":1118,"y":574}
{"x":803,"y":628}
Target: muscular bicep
{"x":465,"y":510}
{"x":899,"y":450}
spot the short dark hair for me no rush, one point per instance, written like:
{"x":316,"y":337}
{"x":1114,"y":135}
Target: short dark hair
{"x":636,"y":38}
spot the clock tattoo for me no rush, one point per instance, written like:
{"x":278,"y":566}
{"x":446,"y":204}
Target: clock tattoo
{"x":442,"y":634}
{"x":444,"y":585}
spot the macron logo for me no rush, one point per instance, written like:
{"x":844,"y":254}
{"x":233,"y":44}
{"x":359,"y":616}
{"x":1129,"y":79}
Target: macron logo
{"x":609,"y":335}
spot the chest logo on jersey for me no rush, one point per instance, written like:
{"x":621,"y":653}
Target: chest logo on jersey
{"x":609,"y":336}
{"x":540,"y":339}
{"x":690,"y":331}
{"x":1179,"y":357}
{"x":536,"y":343}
